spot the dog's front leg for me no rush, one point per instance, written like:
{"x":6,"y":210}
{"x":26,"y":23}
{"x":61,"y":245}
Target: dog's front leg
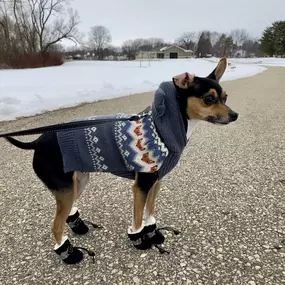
{"x":150,"y":228}
{"x":139,"y":203}
{"x":150,"y":203}
{"x":141,"y":188}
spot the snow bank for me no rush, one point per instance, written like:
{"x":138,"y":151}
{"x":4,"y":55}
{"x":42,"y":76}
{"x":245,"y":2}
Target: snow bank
{"x":32,"y":91}
{"x":267,"y":61}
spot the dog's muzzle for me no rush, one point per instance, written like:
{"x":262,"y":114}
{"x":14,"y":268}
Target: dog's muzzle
{"x":231,"y":117}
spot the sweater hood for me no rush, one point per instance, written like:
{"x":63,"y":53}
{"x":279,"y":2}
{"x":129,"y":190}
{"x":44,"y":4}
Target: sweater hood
{"x":167,"y":117}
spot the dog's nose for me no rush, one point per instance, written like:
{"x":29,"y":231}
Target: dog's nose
{"x":233,"y":116}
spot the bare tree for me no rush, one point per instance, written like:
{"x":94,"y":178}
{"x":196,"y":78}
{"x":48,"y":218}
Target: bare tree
{"x":52,"y":21}
{"x":239,"y":36}
{"x":4,"y":22}
{"x":137,"y":44}
{"x":99,"y":39}
{"x":24,"y":28}
{"x":147,"y":44}
{"x":214,"y":37}
{"x":40,"y":24}
{"x":8,"y":37}
{"x":188,"y":40}
{"x":129,"y":48}
{"x":30,"y":28}
{"x":157,"y":43}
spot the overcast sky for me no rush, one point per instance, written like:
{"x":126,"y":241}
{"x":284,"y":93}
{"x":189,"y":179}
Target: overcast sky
{"x":168,"y":19}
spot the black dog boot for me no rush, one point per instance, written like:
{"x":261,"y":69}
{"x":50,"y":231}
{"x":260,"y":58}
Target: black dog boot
{"x":155,"y":236}
{"x":139,"y":239}
{"x":76,"y":224}
{"x":154,"y":233}
{"x":68,"y":253}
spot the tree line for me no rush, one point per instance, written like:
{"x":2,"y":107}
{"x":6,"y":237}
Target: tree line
{"x":32,"y":29}
{"x":205,"y":43}
{"x":31,"y":32}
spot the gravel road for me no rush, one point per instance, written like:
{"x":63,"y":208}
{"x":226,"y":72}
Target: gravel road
{"x":227,"y":198}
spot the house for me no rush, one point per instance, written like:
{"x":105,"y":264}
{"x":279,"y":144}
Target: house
{"x":240,"y":53}
{"x":168,"y":52}
{"x":174,"y":51}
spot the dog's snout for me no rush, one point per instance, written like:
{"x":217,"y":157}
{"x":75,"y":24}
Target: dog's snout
{"x":233,"y":116}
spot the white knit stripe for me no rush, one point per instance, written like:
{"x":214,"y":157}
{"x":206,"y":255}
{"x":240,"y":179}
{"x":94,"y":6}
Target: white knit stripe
{"x":63,"y":240}
{"x":119,"y":139}
{"x":149,"y":220}
{"x":73,"y":211}
{"x":133,"y":230}
{"x":92,"y":141}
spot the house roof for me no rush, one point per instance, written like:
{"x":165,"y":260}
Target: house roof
{"x":176,"y":46}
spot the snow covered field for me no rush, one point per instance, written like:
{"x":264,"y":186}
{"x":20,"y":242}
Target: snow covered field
{"x":32,"y":91}
{"x":266,"y":61}
{"x":261,"y":61}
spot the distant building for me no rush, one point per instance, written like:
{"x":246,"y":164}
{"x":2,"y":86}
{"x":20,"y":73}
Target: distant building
{"x":240,"y":53}
{"x":168,"y":52}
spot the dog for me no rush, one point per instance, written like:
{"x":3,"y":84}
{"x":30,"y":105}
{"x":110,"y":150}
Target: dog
{"x":177,"y":104}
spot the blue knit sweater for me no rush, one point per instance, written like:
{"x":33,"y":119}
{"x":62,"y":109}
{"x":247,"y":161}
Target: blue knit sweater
{"x":152,"y":144}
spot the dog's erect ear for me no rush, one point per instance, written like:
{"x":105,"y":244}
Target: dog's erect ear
{"x":219,"y":71}
{"x":184,"y":80}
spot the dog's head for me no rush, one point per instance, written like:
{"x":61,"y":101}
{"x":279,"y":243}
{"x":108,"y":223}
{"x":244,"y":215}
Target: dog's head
{"x":202,"y":98}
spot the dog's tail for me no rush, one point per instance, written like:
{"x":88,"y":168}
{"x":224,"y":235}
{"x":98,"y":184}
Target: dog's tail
{"x":22,"y":145}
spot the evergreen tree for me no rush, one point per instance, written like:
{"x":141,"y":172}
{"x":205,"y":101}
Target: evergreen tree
{"x":223,"y":46}
{"x":272,"y":41}
{"x":204,"y":44}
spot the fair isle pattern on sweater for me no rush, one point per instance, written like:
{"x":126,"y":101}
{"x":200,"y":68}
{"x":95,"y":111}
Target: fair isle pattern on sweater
{"x":140,"y":145}
{"x":118,"y":147}
{"x":126,"y":148}
{"x":92,"y":142}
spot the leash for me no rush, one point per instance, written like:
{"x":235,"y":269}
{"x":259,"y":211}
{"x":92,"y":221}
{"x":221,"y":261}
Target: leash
{"x":72,"y":125}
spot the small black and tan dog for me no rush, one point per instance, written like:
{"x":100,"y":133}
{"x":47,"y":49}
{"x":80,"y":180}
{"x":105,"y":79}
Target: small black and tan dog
{"x":200,"y":98}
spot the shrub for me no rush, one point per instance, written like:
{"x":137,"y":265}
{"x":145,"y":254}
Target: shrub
{"x":36,"y":60}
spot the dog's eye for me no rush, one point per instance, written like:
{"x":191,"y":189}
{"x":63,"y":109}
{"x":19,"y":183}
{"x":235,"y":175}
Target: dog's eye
{"x":210,"y":100}
{"x":225,"y":99}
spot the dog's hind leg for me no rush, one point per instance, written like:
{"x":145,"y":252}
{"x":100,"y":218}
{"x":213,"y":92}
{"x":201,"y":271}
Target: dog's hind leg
{"x":64,"y":201}
{"x":75,"y":223}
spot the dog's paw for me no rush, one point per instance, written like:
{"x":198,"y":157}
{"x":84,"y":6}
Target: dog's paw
{"x":76,"y":224}
{"x":147,"y":237}
{"x":68,"y":253}
{"x":71,"y":254}
{"x":155,"y":236}
{"x":140,"y":240}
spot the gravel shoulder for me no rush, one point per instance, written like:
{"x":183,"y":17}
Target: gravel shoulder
{"x":227,"y":198}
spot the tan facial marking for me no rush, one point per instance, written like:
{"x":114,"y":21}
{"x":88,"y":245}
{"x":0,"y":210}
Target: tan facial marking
{"x":198,"y":110}
{"x":213,"y":92}
{"x":223,"y":95}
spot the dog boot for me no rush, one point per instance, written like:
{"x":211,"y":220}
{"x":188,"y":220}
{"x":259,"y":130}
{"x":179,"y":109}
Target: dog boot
{"x":68,"y":253}
{"x":151,"y":230}
{"x":139,"y":239}
{"x":76,"y":224}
